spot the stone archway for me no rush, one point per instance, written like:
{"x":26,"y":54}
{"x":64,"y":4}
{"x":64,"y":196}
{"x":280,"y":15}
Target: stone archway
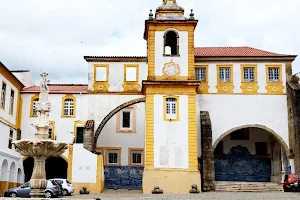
{"x":250,"y":153}
{"x":273,"y":133}
{"x":111,"y":114}
{"x":4,"y":167}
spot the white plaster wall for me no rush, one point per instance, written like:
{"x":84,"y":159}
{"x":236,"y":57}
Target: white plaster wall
{"x":171,"y":134}
{"x":64,"y":127}
{"x":237,"y":76}
{"x":232,"y":111}
{"x":11,"y":158}
{"x":182,"y":60}
{"x":84,"y":167}
{"x":255,"y":135}
{"x":25,"y":78}
{"x":109,"y":138}
{"x":4,"y":114}
{"x":116,"y":74}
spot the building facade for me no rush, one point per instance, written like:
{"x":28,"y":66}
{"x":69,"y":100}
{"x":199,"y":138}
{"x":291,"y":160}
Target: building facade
{"x":182,"y":115}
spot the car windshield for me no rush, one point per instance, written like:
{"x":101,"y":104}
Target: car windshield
{"x":297,"y":176}
{"x":68,"y":182}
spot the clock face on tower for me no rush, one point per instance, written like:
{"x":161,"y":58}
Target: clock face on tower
{"x":171,"y":69}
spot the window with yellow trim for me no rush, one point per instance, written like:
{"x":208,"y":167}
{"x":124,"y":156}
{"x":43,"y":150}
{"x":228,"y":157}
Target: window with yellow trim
{"x":11,"y":137}
{"x":69,"y":106}
{"x":3,"y":95}
{"x":200,"y":74}
{"x":131,"y":73}
{"x":171,"y":111}
{"x":12,"y":100}
{"x":273,"y":74}
{"x":34,"y":111}
{"x":224,"y":74}
{"x":101,"y":73}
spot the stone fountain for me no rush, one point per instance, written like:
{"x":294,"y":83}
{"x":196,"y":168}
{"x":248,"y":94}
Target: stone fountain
{"x":41,"y":147}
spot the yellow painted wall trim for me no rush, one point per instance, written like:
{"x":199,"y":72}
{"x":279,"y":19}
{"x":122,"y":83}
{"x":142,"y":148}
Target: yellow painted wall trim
{"x":225,"y":87}
{"x":131,"y":86}
{"x":203,"y":88}
{"x":77,"y":123}
{"x":33,"y":98}
{"x":99,"y":176}
{"x":149,"y":135}
{"x":101,"y":86}
{"x":66,"y":97}
{"x":70,"y":163}
{"x":8,"y":123}
{"x":171,"y":89}
{"x":10,"y":78}
{"x":274,"y":87}
{"x":19,"y":111}
{"x":52,"y":123}
{"x":192,"y":133}
{"x":165,"y":109}
{"x":249,"y":87}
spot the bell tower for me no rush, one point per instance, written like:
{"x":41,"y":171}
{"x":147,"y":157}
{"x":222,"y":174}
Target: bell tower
{"x":171,"y":155}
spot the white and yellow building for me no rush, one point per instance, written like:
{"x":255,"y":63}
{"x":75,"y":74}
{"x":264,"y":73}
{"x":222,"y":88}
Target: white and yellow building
{"x":146,"y":115}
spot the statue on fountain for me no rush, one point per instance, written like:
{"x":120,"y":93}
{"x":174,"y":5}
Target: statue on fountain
{"x":41,"y":147}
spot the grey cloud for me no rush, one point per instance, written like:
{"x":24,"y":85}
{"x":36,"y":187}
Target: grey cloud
{"x":55,"y":35}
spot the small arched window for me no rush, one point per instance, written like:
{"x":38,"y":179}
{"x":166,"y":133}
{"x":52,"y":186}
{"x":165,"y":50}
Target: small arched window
{"x":171,"y":43}
{"x":69,"y":107}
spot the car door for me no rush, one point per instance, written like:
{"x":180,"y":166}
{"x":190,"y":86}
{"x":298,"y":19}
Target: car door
{"x":24,"y":190}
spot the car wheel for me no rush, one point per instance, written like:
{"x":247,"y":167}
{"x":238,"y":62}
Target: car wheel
{"x":48,"y":194}
{"x":13,"y":195}
{"x":65,"y":192}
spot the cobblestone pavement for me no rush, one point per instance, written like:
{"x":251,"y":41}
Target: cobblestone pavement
{"x":118,"y":195}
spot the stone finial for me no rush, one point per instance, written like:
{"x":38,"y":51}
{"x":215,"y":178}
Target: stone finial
{"x":192,"y":14}
{"x":150,"y":15}
{"x":194,"y":189}
{"x":157,"y":190}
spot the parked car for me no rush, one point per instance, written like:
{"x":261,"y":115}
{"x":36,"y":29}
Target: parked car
{"x":59,"y":187}
{"x":24,"y":190}
{"x":68,"y":187}
{"x":291,"y":182}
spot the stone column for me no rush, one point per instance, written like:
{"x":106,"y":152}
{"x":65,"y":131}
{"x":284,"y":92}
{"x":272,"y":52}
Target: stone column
{"x":282,"y":166}
{"x":88,"y":135}
{"x":38,"y":181}
{"x":207,"y":158}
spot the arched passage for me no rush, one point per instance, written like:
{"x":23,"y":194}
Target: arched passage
{"x":56,"y":167}
{"x":111,"y":114}
{"x":12,"y":172}
{"x":251,"y":153}
{"x":19,"y":176}
{"x":4,"y":167}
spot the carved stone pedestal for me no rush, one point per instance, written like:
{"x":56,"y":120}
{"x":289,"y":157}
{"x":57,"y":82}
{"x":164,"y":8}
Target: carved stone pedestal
{"x":38,"y":181}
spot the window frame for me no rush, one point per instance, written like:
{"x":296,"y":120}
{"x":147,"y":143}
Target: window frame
{"x":199,"y":68}
{"x":136,"y":66}
{"x":165,"y":115}
{"x":77,"y":124}
{"x":10,"y":138}
{"x":33,"y":98}
{"x":130,"y":157}
{"x":106,"y":66}
{"x":108,"y":150}
{"x":119,"y":120}
{"x":3,"y":95}
{"x":66,"y":97}
{"x":270,"y":66}
{"x":12,"y":102}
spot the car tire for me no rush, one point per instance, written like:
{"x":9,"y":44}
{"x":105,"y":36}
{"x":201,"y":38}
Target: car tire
{"x":65,"y":192}
{"x":13,"y":195}
{"x":48,"y":194}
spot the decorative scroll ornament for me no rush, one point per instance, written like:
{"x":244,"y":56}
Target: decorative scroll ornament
{"x":171,"y":69}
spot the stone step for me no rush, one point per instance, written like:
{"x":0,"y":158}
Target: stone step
{"x":223,"y":186}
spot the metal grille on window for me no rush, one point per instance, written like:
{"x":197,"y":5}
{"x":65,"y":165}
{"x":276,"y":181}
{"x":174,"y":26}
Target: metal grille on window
{"x":274,"y":74}
{"x":248,"y":74}
{"x":136,"y":158}
{"x":3,"y":94}
{"x":69,"y":107}
{"x":113,"y":158}
{"x":200,"y":74}
{"x":224,"y":74}
{"x":50,"y":132}
{"x":126,"y":119}
{"x":34,"y":112}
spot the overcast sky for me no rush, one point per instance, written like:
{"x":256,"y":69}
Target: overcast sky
{"x":54,"y":35}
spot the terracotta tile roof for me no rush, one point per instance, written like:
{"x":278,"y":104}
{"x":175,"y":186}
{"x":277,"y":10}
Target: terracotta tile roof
{"x":234,"y":52}
{"x":60,"y":88}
